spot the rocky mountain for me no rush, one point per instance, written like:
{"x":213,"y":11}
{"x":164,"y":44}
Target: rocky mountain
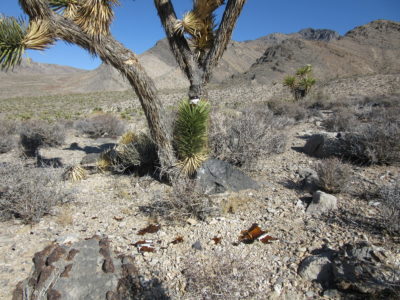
{"x":373,"y":48}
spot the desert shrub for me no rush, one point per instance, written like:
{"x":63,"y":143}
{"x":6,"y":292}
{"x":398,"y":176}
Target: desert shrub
{"x":29,"y":193}
{"x":333,"y":175}
{"x":373,"y":143}
{"x":288,"y":109}
{"x":100,"y":125}
{"x":36,"y":133}
{"x":7,"y":135}
{"x":182,"y":202}
{"x":341,"y":120}
{"x":221,"y":276}
{"x":190,"y":135}
{"x":242,"y":140}
{"x":134,"y":153}
{"x":390,"y":196}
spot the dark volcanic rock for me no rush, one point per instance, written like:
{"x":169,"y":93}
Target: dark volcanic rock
{"x":87,"y":269}
{"x":325,"y":35}
{"x":216,"y":176}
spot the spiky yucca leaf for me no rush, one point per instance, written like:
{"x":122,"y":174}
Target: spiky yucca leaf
{"x":75,"y":173}
{"x":289,"y":81}
{"x":190,"y":23}
{"x":190,"y":134}
{"x":95,"y":16}
{"x":67,"y":7}
{"x":12,"y":33}
{"x":38,"y":35}
{"x":303,"y":71}
{"x":127,"y":138}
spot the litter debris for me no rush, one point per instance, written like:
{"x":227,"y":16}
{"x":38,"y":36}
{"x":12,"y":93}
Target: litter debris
{"x":255,"y":233}
{"x":152,"y":228}
{"x":145,"y":246}
{"x":178,"y":240}
{"x":217,"y":240}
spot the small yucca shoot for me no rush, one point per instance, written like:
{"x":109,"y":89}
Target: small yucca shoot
{"x":75,"y":173}
{"x":190,"y":134}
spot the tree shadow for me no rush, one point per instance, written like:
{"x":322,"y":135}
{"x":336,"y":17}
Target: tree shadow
{"x":91,"y":149}
{"x":42,"y":162}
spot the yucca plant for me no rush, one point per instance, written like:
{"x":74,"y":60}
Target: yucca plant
{"x":300,"y":84}
{"x":190,"y":135}
{"x":199,"y":23}
{"x":16,"y":36}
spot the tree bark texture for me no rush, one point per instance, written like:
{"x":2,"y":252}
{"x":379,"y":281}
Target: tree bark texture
{"x":114,"y":53}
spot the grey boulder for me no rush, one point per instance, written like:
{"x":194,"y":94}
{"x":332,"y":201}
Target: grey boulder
{"x":216,"y":176}
{"x":322,"y":203}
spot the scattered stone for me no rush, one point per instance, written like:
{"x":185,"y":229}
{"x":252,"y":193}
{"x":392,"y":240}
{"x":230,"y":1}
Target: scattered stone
{"x":322,"y":202}
{"x":216,"y":176}
{"x":197,"y":246}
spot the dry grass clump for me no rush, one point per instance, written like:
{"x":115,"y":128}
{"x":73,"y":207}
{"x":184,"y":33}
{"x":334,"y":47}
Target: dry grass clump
{"x":36,"y":133}
{"x":333,"y":175}
{"x":182,"y":203}
{"x":101,"y":125}
{"x":221,"y":276}
{"x":390,"y":196}
{"x":75,"y":173}
{"x":29,"y":193}
{"x":242,"y":140}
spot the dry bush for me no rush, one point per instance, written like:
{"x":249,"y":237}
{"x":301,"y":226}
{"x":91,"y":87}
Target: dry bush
{"x":373,"y":143}
{"x":36,"y":133}
{"x":182,"y":203}
{"x":29,"y":193}
{"x":242,"y":140}
{"x":221,"y":276}
{"x":7,"y":135}
{"x":341,"y":120}
{"x":100,"y":125}
{"x":294,"y":110}
{"x":333,"y":175}
{"x":390,"y":196}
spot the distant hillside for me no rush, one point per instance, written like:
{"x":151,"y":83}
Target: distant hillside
{"x":373,"y":48}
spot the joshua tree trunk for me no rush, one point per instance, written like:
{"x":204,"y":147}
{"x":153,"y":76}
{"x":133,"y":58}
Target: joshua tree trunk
{"x":121,"y":58}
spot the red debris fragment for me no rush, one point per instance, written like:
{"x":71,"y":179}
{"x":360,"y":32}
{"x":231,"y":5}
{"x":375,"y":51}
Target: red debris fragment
{"x":178,"y":240}
{"x":152,"y":228}
{"x":217,"y":240}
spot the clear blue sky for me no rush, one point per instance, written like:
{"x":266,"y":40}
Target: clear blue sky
{"x":137,"y":25}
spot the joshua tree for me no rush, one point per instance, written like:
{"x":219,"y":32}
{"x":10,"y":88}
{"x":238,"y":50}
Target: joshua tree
{"x":300,"y":84}
{"x":86,"y":23}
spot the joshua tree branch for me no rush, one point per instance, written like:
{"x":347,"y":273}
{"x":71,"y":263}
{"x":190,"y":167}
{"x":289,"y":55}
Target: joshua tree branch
{"x":224,"y":33}
{"x":179,"y":45}
{"x":124,"y":60}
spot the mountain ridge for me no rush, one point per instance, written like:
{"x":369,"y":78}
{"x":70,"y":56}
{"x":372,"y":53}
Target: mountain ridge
{"x":366,"y":49}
